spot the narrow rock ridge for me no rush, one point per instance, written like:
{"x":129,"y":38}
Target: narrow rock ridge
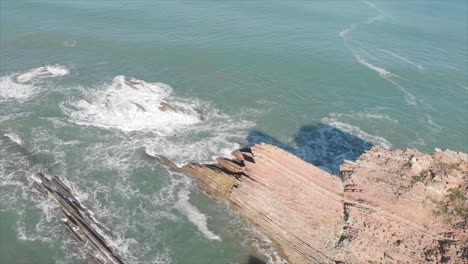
{"x":389,"y":206}
{"x":93,"y":236}
{"x":79,"y":220}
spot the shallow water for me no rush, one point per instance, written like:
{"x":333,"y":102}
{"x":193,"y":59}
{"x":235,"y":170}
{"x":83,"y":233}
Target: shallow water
{"x":324,"y":79}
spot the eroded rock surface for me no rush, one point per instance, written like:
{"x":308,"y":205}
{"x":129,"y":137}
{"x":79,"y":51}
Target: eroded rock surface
{"x":404,"y":206}
{"x":390,"y":206}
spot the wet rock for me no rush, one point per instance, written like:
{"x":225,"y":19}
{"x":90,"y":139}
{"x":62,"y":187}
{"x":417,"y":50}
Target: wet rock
{"x":167,"y":107}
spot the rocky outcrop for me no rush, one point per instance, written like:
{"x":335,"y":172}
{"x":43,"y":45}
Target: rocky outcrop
{"x":405,"y":206}
{"x":389,"y":206}
{"x":95,"y":239}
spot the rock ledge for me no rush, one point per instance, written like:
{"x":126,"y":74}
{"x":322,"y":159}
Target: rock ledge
{"x":389,"y":206}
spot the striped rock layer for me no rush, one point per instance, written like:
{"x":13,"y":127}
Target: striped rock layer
{"x":389,"y":206}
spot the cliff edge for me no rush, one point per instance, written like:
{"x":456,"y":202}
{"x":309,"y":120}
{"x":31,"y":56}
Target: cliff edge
{"x":389,"y":206}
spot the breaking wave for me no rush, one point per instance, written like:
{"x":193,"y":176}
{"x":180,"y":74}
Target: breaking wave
{"x":185,"y":130}
{"x":132,"y":105}
{"x":22,"y":86}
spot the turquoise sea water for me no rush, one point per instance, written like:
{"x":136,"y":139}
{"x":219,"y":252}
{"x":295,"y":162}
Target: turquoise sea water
{"x":325,"y":79}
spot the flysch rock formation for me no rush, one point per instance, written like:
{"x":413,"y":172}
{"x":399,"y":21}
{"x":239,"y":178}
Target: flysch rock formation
{"x":93,"y":236}
{"x":389,"y":206}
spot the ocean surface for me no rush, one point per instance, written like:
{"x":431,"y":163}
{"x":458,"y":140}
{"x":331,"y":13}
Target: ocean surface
{"x":324,"y":79}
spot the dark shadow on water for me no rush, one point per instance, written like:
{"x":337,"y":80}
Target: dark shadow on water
{"x":255,"y":260}
{"x":321,"y":145}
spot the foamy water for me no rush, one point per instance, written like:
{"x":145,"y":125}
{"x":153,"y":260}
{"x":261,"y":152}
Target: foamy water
{"x":91,"y":102}
{"x":194,"y":215}
{"x":192,"y":131}
{"x":45,"y":71}
{"x":144,"y":127}
{"x":22,"y":86}
{"x":131,"y":105}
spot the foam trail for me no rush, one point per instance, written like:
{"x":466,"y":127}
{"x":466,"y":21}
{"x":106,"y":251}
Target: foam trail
{"x":393,"y":54}
{"x":194,"y":215}
{"x":356,"y":131}
{"x":409,"y":97}
{"x":463,"y":87}
{"x":370,"y":20}
{"x":360,"y":58}
{"x":381,"y":71}
{"x":364,"y":115}
{"x":344,"y":34}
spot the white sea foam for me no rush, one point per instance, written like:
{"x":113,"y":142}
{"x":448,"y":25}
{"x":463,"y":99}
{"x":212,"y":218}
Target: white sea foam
{"x":464,"y":87}
{"x":25,"y":85}
{"x":45,"y":71}
{"x":409,"y":97}
{"x":69,"y":43}
{"x":358,"y":132}
{"x":186,"y":150}
{"x":12,"y":90}
{"x":368,"y":21}
{"x":119,"y":154}
{"x":367,"y":114}
{"x":98,"y":195}
{"x":131,"y":105}
{"x":195,"y":132}
{"x":253,"y":236}
{"x":345,"y":32}
{"x":194,"y":215}
{"x":176,"y":194}
{"x":363,"y":60}
{"x":265,"y":247}
{"x":395,"y":55}
{"x":15,"y":138}
{"x":359,"y":57}
{"x":381,"y":71}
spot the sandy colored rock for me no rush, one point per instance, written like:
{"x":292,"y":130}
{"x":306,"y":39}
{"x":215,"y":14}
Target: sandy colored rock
{"x":397,"y":207}
{"x":390,"y":206}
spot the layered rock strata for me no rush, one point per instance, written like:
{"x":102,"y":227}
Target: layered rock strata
{"x":93,"y":236}
{"x":389,"y":206}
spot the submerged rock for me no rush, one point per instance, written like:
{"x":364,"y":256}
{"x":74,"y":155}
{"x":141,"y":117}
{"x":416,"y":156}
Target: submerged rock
{"x":395,"y":206}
